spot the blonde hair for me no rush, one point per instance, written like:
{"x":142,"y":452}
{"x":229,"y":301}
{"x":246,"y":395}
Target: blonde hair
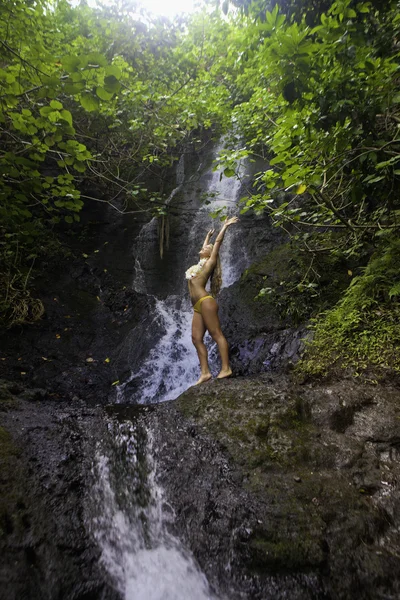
{"x":216,"y":278}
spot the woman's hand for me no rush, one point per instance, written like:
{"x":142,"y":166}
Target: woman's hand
{"x":225,"y":226}
{"x":231,"y":221}
{"x":208,"y":236}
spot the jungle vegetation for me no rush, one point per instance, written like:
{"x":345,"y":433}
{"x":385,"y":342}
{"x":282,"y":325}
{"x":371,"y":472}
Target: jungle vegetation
{"x":99,"y":98}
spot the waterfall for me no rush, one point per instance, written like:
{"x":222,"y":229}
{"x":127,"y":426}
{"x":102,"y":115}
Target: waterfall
{"x":129,"y":518}
{"x":224,"y":192}
{"x":131,"y":522}
{"x":172,"y":364}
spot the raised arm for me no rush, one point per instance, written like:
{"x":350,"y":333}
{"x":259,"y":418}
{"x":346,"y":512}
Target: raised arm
{"x":208,"y":237}
{"x":220,"y":237}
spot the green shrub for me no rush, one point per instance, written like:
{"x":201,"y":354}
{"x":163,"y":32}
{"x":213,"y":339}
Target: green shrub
{"x":363,"y":329}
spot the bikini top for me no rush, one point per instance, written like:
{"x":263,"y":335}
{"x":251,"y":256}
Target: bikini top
{"x":195,"y":269}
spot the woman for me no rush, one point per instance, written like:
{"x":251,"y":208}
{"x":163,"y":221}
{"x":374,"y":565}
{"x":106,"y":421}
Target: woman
{"x":205,"y":307}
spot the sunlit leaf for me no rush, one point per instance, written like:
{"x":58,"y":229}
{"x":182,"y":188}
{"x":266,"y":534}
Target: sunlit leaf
{"x":89,"y":102}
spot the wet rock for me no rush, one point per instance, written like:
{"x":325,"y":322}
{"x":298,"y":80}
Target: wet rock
{"x":45,"y":550}
{"x":274,"y":499}
{"x":294,"y":499}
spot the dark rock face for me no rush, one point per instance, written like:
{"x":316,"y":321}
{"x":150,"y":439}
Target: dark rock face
{"x":259,"y":341}
{"x":90,"y":308}
{"x":286,"y":491}
{"x":279,"y":490}
{"x":45,"y":551}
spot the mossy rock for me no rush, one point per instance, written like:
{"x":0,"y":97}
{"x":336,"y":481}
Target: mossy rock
{"x":308,"y":508}
{"x":7,"y":447}
{"x":261,"y":430}
{"x":279,"y":283}
{"x":287,"y":555}
{"x":361,"y":334}
{"x":6,"y":395}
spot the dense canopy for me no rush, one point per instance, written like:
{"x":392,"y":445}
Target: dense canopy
{"x":93,"y":100}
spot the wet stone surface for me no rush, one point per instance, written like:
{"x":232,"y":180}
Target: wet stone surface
{"x":279,"y":490}
{"x":282,"y":489}
{"x":45,"y":549}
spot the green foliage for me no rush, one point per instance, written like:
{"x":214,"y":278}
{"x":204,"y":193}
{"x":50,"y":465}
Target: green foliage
{"x":322,"y":103}
{"x":89,"y":100}
{"x":297,"y":284}
{"x":363,"y":329}
{"x":101,"y":100}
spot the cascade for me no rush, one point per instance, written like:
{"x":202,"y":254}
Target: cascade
{"x":130,"y":521}
{"x":128,"y":516}
{"x":172,"y":364}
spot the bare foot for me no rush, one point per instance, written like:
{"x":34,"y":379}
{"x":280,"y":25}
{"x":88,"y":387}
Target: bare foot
{"x":204,"y":378}
{"x":225,"y":373}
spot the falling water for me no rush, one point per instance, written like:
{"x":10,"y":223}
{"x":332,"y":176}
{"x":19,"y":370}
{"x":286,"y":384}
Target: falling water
{"x":131,"y":522}
{"x":172,"y":364}
{"x":225,"y":194}
{"x":129,"y":517}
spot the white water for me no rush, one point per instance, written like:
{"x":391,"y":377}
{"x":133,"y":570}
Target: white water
{"x":130,"y":524}
{"x":130,"y":519}
{"x":232,"y":253}
{"x":172,"y":365}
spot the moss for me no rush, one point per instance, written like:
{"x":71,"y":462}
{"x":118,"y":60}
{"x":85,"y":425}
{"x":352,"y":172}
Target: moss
{"x":6,"y":397}
{"x":285,"y":555}
{"x":294,"y":284}
{"x":6,"y":445}
{"x":259,"y":432}
{"x":305,"y":501}
{"x":362,"y":332}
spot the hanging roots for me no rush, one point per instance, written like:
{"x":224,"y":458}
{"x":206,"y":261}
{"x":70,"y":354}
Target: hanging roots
{"x":163,"y":234}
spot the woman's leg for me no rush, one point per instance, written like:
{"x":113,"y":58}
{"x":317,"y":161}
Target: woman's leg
{"x":209,"y":312}
{"x":198,"y":331}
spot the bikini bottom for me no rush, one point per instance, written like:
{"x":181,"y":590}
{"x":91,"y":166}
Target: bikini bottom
{"x":197,"y":306}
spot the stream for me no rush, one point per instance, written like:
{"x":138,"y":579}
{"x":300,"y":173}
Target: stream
{"x":130,"y":519}
{"x":133,"y":524}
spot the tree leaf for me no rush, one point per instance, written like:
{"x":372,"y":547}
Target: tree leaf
{"x":113,"y":70}
{"x":56,"y":104}
{"x":301,"y":189}
{"x":103,"y":94}
{"x":89,"y":102}
{"x":111,"y":84}
{"x":66,"y":116}
{"x":70,"y":63}
{"x":94,"y":59}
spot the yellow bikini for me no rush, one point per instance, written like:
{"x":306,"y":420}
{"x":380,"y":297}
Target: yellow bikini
{"x":197,"y":306}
